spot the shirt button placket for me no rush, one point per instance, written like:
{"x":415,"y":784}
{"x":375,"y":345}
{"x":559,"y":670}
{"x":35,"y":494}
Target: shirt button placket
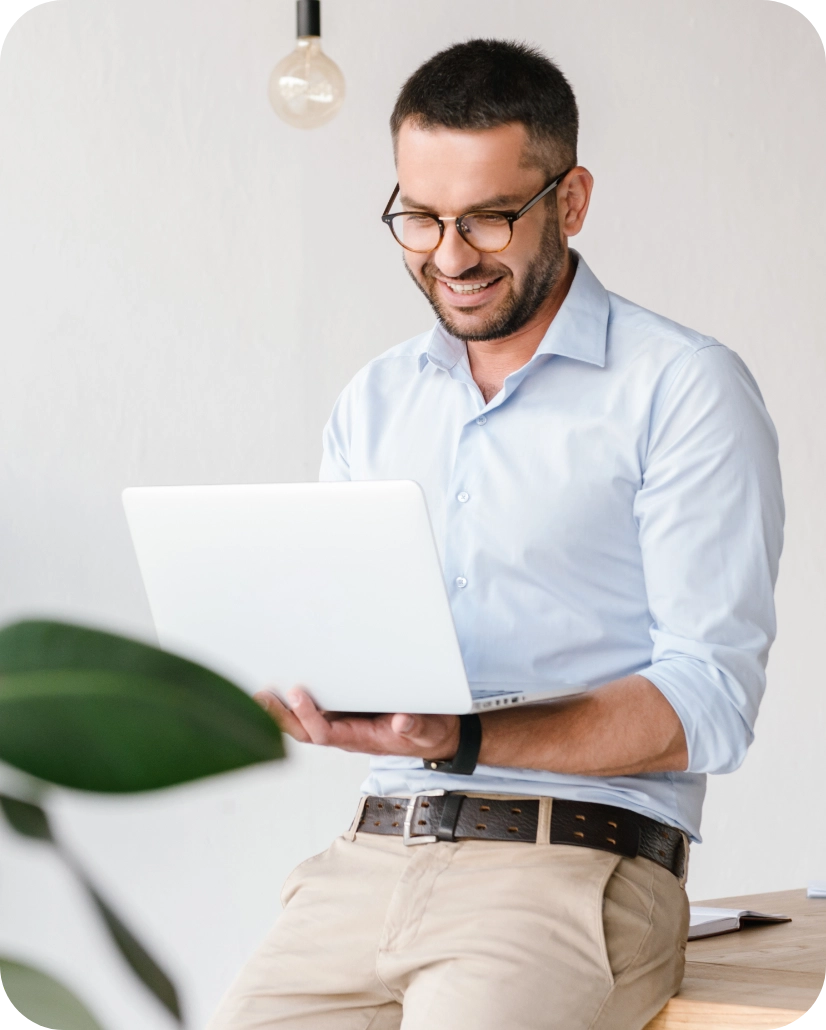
{"x":460,"y":582}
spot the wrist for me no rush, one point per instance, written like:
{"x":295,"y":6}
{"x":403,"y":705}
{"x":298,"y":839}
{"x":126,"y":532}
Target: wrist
{"x":466,"y":755}
{"x":447,"y":748}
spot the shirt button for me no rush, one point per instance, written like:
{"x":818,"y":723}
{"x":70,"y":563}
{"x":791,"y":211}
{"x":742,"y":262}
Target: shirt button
{"x":461,"y":582}
{"x":481,"y":420}
{"x":463,"y":496}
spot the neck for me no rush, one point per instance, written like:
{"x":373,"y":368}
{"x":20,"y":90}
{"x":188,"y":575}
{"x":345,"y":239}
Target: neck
{"x":491,"y":361}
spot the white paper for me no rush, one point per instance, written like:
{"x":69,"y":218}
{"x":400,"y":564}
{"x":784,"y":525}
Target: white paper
{"x":702,"y":914}
{"x":706,"y":921}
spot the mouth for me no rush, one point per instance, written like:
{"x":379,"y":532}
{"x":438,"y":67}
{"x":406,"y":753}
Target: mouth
{"x":468,"y":294}
{"x":467,"y":287}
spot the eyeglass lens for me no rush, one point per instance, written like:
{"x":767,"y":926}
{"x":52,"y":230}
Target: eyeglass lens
{"x":485,"y":231}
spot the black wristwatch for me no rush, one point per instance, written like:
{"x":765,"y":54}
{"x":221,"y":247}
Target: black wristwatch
{"x":470,"y":741}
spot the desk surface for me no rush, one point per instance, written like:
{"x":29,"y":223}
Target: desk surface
{"x":761,"y":977}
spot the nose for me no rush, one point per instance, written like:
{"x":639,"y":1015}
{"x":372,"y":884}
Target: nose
{"x":454,"y":255}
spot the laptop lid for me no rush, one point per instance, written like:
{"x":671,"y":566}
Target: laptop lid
{"x":336,"y":587}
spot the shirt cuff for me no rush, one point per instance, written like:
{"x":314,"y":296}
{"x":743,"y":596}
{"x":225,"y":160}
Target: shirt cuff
{"x":705,"y":699}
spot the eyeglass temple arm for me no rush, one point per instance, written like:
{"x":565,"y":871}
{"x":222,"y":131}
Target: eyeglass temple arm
{"x":390,"y":201}
{"x":539,"y":196}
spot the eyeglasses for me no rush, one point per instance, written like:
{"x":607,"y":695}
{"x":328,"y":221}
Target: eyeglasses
{"x":486,"y":231}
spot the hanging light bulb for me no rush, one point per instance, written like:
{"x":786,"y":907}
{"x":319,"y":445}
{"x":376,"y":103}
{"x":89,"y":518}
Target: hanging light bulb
{"x":307,"y":88}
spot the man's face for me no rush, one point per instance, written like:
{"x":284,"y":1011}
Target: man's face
{"x":449,"y":172}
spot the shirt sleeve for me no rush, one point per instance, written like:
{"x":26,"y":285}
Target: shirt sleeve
{"x":335,"y":458}
{"x":710,"y":518}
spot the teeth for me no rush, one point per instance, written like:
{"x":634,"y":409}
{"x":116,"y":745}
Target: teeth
{"x":470,"y":288}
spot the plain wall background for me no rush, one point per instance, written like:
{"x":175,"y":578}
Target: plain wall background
{"x":174,"y":308}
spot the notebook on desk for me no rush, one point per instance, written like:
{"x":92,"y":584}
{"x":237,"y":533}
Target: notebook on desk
{"x":707,"y":922}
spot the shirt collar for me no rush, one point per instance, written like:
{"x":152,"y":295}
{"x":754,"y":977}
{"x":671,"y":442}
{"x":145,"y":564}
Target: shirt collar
{"x":579,"y":329}
{"x":441,"y":349}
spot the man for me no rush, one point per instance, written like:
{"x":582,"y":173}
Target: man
{"x":605,"y":493}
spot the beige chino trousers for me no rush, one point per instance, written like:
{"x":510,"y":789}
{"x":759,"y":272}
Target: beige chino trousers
{"x":473,"y":935}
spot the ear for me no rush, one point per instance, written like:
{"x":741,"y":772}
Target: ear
{"x":573,"y":197}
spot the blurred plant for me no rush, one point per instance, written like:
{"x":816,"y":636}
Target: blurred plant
{"x":94,"y":711}
{"x":43,"y":999}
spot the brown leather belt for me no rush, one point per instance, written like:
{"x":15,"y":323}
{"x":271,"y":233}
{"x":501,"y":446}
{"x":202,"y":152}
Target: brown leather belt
{"x":436,"y":815}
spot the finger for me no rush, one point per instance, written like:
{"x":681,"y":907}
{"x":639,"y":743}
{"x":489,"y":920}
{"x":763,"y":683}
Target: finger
{"x":311,"y":719}
{"x":406,"y":725}
{"x":424,"y":734}
{"x":348,"y":731}
{"x":286,"y":720}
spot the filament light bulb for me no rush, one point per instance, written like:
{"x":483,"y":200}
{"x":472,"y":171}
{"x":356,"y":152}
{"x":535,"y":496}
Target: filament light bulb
{"x":307,"y":88}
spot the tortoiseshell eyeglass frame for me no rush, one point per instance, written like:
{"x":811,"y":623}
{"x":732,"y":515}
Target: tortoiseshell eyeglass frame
{"x":510,"y":216}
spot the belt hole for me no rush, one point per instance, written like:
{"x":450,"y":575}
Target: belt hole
{"x":612,"y":824}
{"x":421,"y":823}
{"x":484,"y":808}
{"x":481,"y":826}
{"x":611,"y":840}
{"x":578,"y":834}
{"x":516,"y":811}
{"x":513,"y":829}
{"x":661,"y":854}
{"x":377,"y":823}
{"x":380,"y":805}
{"x":397,"y":806}
{"x":425,"y":804}
{"x":395,"y":824}
{"x":580,"y":817}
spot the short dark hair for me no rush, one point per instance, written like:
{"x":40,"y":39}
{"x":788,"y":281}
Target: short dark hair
{"x":483,"y":83}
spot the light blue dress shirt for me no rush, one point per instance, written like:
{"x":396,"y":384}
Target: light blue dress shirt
{"x":616,"y":508}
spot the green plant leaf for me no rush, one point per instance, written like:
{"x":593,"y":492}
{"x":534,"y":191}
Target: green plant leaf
{"x":43,"y":999}
{"x":143,"y":965}
{"x":29,"y":820}
{"x":96,"y":711}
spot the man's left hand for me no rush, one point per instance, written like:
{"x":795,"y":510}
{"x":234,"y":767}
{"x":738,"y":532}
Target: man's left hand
{"x":414,"y":736}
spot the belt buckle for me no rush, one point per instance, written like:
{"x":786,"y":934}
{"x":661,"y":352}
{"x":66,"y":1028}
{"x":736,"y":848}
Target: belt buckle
{"x":408,"y":838}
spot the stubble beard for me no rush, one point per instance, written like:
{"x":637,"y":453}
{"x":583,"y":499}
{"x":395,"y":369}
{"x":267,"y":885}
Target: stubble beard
{"x":519,"y":307}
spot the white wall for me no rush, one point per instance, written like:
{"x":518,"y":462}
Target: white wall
{"x":174,"y":309}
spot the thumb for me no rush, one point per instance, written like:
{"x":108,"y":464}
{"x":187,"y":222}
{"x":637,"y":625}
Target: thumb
{"x":404,"y":724}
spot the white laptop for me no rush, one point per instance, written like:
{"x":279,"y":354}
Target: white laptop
{"x":336,"y":587}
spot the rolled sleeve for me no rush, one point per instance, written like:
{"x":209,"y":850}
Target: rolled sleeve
{"x":710,"y":519}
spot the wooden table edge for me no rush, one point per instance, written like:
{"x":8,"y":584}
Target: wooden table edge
{"x":684,"y":1014}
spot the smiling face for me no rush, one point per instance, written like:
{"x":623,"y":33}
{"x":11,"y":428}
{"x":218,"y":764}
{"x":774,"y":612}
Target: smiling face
{"x":450,"y":172}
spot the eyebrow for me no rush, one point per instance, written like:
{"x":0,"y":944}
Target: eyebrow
{"x":501,"y":200}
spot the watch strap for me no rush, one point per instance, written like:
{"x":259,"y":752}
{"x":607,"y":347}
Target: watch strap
{"x":467,"y":754}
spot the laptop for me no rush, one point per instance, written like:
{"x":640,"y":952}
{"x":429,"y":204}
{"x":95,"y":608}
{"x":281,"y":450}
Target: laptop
{"x":335,"y":587}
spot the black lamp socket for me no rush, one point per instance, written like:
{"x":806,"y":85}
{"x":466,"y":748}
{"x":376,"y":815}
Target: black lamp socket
{"x":309,"y":17}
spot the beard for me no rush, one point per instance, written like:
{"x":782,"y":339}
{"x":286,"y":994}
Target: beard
{"x":521,"y":303}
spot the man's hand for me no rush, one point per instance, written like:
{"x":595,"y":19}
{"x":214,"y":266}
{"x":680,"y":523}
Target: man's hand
{"x":623,"y":728}
{"x":411,"y":736}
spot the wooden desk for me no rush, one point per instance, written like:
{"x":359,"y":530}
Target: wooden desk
{"x":760,"y":978}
